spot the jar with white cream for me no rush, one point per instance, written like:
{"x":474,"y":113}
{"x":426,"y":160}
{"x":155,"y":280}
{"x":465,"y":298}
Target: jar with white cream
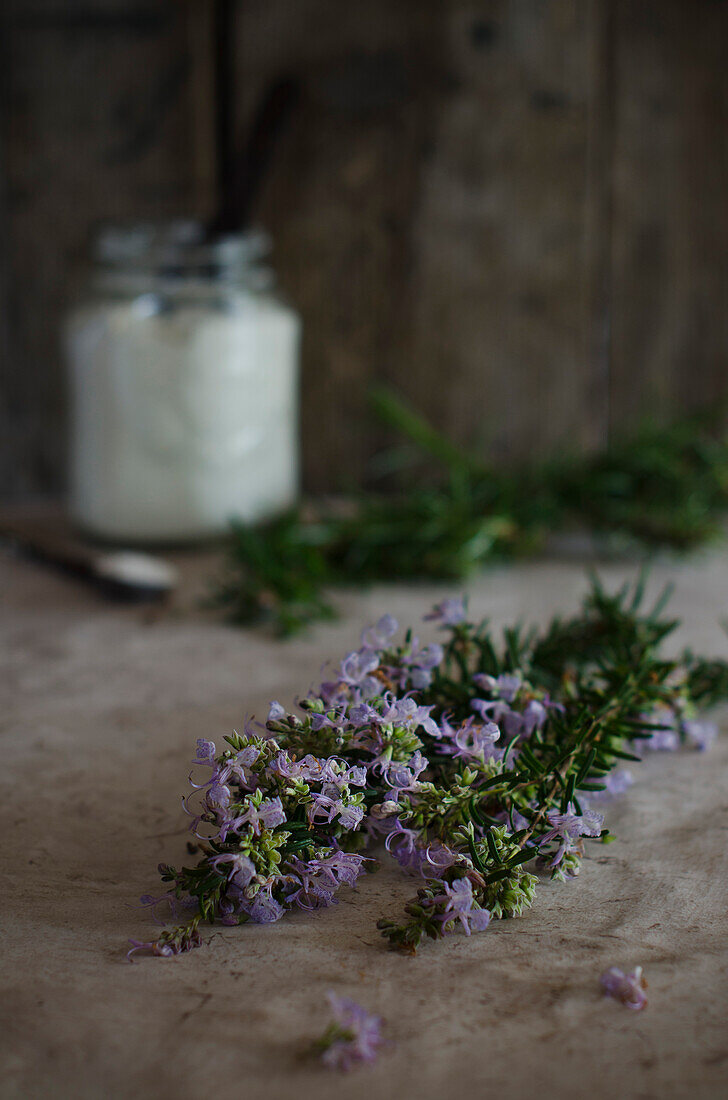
{"x":183,"y":367}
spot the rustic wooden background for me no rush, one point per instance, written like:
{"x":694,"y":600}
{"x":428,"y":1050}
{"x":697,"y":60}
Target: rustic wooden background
{"x":514,"y":211}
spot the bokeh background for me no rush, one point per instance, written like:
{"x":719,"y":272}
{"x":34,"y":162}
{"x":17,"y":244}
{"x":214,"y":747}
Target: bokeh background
{"x":513,"y":211}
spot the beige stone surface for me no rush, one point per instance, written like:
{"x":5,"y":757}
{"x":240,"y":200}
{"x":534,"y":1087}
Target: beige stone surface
{"x":101,"y":707}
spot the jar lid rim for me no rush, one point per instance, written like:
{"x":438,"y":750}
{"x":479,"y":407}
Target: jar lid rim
{"x":175,"y":242}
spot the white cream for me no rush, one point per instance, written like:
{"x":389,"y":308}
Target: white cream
{"x":184,"y":412}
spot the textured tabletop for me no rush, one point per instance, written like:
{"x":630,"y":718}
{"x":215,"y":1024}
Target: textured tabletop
{"x":100,"y":711}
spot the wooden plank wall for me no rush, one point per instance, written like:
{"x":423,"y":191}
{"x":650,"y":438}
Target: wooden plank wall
{"x":101,"y":118}
{"x":511,"y":210}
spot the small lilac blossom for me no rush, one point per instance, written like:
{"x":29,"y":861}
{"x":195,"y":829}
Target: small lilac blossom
{"x":378,"y":636}
{"x":264,"y":909}
{"x":402,"y":712}
{"x":355,"y":1036}
{"x":568,"y":827}
{"x":473,"y":740}
{"x":404,"y":777}
{"x":324,"y":808}
{"x":228,"y":912}
{"x":356,"y":776}
{"x":315,"y":881}
{"x":534,"y":715}
{"x":332,"y":692}
{"x":664,"y":739}
{"x":240,"y":869}
{"x":336,"y":718}
{"x":205,"y":753}
{"x":427,"y":861}
{"x":183,"y":939}
{"x":175,"y":904}
{"x":345,"y":866}
{"x":615,"y":784}
{"x":310,"y":768}
{"x":277,"y":712}
{"x":230,"y":768}
{"x":267,"y":815}
{"x":509,"y":721}
{"x":356,"y":670}
{"x":311,"y":885}
{"x":363,"y":714}
{"x":458,"y":899}
{"x":401,"y":841}
{"x":449,"y":612}
{"x":702,"y":734}
{"x":350,"y":817}
{"x":218,"y":793}
{"x":417,"y":665}
{"x":629,"y":989}
{"x":618,"y":781}
{"x":163,"y":949}
{"x":505,"y":687}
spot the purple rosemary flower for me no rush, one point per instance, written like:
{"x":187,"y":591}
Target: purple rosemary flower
{"x":149,"y":947}
{"x":176,"y":905}
{"x":666,"y":739}
{"x":355,"y":1036}
{"x":308,"y":889}
{"x":447,"y":613}
{"x":378,"y":636}
{"x":505,"y":687}
{"x":344,"y":866}
{"x":629,"y":989}
{"x":231,"y":768}
{"x":277,"y":712}
{"x":218,"y":792}
{"x":324,"y":808}
{"x":264,"y":909}
{"x":616,"y":783}
{"x":335,"y":719}
{"x":310,"y":768}
{"x":363,"y":714}
{"x":400,"y":840}
{"x":702,"y":734}
{"x":169,"y":943}
{"x":568,"y":827}
{"x":265,"y":816}
{"x":240,"y":869}
{"x":458,"y":899}
{"x":403,"y":777}
{"x":661,"y":741}
{"x":403,"y":712}
{"x":534,"y":715}
{"x":416,"y":667}
{"x":474,"y":740}
{"x":315,"y":881}
{"x":205,"y":753}
{"x":332,"y":693}
{"x":356,"y":670}
{"x":427,"y":861}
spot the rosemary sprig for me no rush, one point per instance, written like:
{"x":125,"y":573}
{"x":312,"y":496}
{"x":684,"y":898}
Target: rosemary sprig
{"x":664,"y":487}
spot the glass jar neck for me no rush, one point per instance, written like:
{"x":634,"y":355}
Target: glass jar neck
{"x":178,"y":254}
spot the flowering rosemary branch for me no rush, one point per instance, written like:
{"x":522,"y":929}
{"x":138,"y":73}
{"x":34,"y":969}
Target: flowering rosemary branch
{"x":469,"y":760}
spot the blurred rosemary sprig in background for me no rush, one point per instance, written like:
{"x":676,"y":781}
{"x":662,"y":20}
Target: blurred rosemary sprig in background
{"x":663,"y":487}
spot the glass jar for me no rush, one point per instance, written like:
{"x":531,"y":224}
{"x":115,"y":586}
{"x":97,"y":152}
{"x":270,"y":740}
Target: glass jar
{"x":183,"y":370}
